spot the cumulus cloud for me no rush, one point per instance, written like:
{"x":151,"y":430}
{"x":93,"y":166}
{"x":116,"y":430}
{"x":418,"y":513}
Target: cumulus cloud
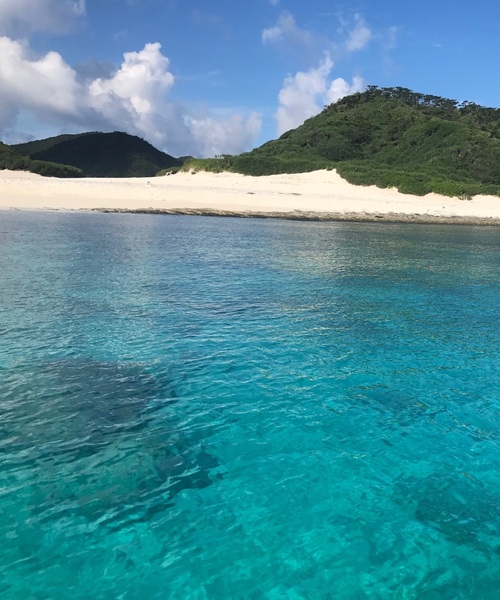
{"x":135,"y":93}
{"x":21,"y":17}
{"x":143,"y":76}
{"x":339,"y":88}
{"x":231,"y":134}
{"x":298,"y":98}
{"x":304,"y":94}
{"x":46,"y":86}
{"x":132,"y":98}
{"x":359,"y":36}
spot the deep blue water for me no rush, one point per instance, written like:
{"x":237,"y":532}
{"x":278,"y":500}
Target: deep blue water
{"x":202,"y":408}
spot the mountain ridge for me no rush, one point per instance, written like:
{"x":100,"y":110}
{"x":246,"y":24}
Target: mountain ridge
{"x":98,"y":154}
{"x":12,"y":160}
{"x":389,"y":137}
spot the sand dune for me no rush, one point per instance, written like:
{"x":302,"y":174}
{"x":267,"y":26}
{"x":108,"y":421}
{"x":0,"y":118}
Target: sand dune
{"x":322,"y":194}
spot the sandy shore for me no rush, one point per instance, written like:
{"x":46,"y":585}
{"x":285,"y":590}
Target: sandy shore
{"x":318,"y":195}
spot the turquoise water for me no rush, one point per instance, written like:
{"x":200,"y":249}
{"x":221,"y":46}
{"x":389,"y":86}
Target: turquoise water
{"x":202,"y":408}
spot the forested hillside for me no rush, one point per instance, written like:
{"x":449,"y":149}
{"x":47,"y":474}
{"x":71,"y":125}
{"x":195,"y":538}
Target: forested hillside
{"x":389,"y":137}
{"x":12,"y":160}
{"x":101,"y":154}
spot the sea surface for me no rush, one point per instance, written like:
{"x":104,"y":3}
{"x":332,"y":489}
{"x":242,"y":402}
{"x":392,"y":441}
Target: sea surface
{"x":204,"y":408}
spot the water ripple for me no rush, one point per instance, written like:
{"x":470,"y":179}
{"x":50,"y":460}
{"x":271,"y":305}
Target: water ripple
{"x":209,"y":408}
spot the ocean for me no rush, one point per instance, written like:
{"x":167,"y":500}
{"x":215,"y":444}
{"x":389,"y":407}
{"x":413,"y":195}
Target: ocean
{"x":205,"y":408}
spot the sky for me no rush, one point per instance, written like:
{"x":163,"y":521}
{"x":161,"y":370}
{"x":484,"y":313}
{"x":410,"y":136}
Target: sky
{"x":203,"y":78}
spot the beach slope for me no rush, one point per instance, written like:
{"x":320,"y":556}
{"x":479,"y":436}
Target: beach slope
{"x":322,"y":195}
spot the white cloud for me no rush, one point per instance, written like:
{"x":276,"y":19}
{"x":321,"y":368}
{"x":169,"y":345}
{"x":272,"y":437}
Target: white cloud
{"x":228,"y":136}
{"x":21,"y":17}
{"x":298,"y":98}
{"x":287,"y":31}
{"x":135,"y":93}
{"x":133,"y":98}
{"x":46,"y":86}
{"x":339,"y":88}
{"x":356,"y":33}
{"x":359,"y":36}
{"x":304,"y":94}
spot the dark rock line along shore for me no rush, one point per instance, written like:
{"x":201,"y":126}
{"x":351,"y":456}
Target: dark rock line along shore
{"x":311,"y":216}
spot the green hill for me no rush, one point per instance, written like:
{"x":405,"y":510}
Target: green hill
{"x":10,"y":159}
{"x":101,"y":154}
{"x":389,"y":137}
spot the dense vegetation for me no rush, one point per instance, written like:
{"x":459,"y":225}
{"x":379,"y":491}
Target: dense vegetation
{"x":101,"y":154}
{"x":10,"y":159}
{"x":388,"y":137}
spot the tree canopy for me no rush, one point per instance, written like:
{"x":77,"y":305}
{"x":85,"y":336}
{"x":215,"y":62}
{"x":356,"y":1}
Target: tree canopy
{"x":390,"y":137}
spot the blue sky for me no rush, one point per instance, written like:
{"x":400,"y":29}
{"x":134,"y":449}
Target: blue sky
{"x":204,"y":78}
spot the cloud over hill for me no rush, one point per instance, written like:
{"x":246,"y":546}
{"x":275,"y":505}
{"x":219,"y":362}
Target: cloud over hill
{"x":133,"y":98}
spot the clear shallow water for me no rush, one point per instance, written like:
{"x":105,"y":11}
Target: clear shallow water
{"x":203,"y":408}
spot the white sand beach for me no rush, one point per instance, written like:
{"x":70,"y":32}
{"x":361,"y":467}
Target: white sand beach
{"x":322,"y":193}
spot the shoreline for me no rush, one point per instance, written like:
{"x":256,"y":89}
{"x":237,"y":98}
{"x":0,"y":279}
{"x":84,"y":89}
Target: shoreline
{"x":314,"y":196}
{"x":311,"y":216}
